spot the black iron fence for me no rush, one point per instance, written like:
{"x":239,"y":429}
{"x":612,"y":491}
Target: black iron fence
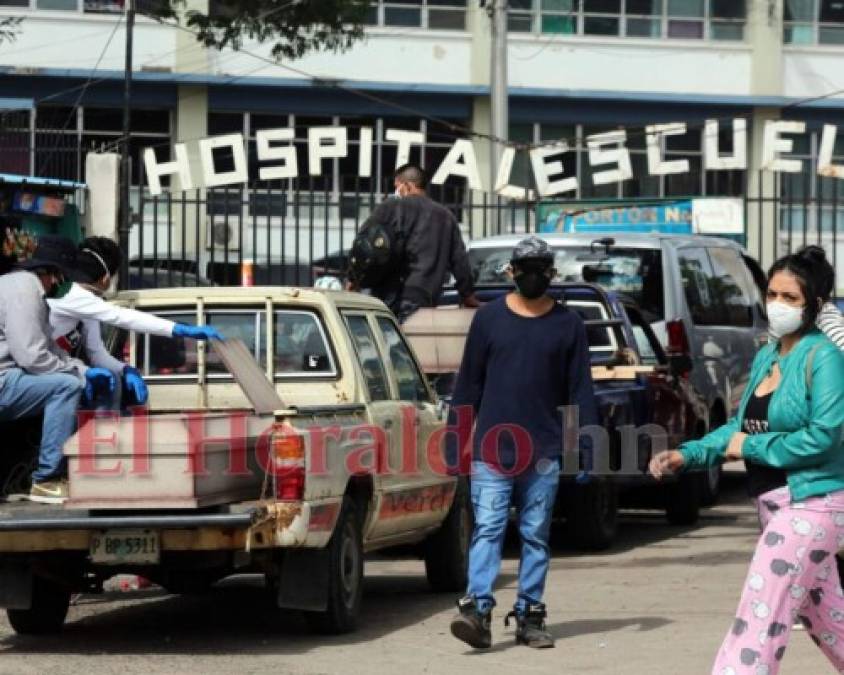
{"x":293,"y":231}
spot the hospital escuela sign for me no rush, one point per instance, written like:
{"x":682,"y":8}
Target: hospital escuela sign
{"x":608,"y":157}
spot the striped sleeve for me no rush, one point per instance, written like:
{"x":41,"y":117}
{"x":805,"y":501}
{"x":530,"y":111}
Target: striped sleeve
{"x":831,"y":323}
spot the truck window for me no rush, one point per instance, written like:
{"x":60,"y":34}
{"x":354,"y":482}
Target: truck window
{"x":301,"y":347}
{"x":697,"y":275}
{"x":732,"y":287}
{"x":411,"y":385}
{"x":368,"y":357}
{"x":245,"y":325}
{"x":601,"y":340}
{"x":164,"y":356}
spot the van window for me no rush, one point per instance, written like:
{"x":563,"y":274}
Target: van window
{"x":732,"y":287}
{"x":697,"y":275}
{"x":635,"y":272}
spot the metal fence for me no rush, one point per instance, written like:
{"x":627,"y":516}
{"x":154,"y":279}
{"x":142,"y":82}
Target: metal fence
{"x":292,"y":231}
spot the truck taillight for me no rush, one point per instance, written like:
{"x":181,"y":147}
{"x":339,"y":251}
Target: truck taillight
{"x":678,"y":341}
{"x":288,"y":454}
{"x":679,"y":351}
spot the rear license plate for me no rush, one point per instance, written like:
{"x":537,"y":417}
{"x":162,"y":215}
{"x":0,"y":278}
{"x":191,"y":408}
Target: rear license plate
{"x":117,"y":547}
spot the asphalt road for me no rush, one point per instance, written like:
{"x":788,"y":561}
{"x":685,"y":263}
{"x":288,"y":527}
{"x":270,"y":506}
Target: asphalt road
{"x":658,"y":603}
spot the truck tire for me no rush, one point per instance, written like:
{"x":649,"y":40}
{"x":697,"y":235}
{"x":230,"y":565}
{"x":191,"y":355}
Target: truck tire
{"x":345,"y":575}
{"x":683,"y":500}
{"x":47,"y":613}
{"x":592,"y":515}
{"x":447,"y":550}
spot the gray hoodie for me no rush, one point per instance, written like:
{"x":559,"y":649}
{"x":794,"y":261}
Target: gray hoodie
{"x":25,"y":335}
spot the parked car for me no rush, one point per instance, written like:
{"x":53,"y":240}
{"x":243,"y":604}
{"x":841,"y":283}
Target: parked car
{"x":634,"y":387}
{"x":703,"y":296}
{"x":297,"y":361}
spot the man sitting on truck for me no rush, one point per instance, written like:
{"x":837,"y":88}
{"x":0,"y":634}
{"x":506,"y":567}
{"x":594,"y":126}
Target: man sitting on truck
{"x":406,"y":249}
{"x":36,"y":377}
{"x":76,"y":317}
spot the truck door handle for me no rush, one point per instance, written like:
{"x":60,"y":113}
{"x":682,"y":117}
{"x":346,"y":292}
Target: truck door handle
{"x":388,"y":424}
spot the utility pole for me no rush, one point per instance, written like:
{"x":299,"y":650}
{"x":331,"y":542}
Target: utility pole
{"x":125,"y":223}
{"x":498,"y":85}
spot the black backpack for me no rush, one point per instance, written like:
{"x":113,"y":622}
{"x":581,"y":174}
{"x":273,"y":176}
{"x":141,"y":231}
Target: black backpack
{"x":377,"y":252}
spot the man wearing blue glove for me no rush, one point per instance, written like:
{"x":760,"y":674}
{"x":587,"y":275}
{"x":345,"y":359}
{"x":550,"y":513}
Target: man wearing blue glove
{"x":76,"y":319}
{"x":36,"y":377}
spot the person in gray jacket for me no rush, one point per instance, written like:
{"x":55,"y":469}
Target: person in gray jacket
{"x":36,"y":376}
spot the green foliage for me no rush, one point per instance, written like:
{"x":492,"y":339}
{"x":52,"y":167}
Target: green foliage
{"x":296,"y":27}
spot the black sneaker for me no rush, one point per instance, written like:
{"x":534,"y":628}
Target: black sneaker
{"x":530,"y":627}
{"x":472,"y":626}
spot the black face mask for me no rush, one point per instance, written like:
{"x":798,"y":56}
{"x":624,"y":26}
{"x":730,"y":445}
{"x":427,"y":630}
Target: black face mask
{"x":532,"y":283}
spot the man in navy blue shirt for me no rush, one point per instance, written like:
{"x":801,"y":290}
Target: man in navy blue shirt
{"x":526,"y":357}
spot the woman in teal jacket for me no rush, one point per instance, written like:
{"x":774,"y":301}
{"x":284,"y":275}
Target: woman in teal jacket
{"x":791,"y":417}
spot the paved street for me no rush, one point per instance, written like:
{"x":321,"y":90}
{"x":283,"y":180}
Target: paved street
{"x":658,"y":603}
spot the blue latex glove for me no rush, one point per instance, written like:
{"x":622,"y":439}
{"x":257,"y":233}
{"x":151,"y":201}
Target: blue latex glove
{"x":196,"y":332}
{"x":133,"y":383}
{"x":98,"y":381}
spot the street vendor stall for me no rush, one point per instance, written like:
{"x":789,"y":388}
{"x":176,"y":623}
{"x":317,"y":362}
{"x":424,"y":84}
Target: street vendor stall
{"x":31,"y":206}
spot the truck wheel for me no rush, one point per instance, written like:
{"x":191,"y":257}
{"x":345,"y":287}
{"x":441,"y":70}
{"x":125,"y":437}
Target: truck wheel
{"x":710,"y":486}
{"x":345,"y":575}
{"x":47,"y":613}
{"x":683,"y":500}
{"x":592,"y":515}
{"x":447,"y":550}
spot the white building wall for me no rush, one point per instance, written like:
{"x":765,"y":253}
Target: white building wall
{"x":50,"y":40}
{"x":813,"y":71}
{"x":630,"y":66}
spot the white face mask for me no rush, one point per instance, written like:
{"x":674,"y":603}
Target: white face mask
{"x":783,"y":319}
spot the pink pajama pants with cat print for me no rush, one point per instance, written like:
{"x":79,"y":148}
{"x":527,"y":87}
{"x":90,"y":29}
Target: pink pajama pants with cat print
{"x":793,"y":576}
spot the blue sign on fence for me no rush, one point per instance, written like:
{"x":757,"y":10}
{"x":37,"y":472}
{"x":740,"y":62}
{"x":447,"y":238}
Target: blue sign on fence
{"x":672,"y":218}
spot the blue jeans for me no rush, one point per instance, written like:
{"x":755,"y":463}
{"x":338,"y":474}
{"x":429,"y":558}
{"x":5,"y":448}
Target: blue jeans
{"x":534,"y":493}
{"x":57,"y":397}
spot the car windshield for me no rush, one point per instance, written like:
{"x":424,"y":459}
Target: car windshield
{"x":635,"y":272}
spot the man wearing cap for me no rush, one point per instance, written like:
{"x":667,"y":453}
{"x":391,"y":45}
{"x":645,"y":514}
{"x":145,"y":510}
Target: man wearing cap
{"x":36,"y":377}
{"x":526,"y":357}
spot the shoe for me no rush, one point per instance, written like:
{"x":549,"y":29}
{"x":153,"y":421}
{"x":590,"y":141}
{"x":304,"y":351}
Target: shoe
{"x":530,"y":627}
{"x":49,"y":492}
{"x":472,"y":626}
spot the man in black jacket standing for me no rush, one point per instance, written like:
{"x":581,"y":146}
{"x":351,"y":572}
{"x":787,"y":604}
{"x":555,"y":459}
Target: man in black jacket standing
{"x":431,"y":247}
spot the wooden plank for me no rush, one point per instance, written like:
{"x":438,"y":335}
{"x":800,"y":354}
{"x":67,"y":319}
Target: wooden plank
{"x":620,"y":372}
{"x":249,"y":375}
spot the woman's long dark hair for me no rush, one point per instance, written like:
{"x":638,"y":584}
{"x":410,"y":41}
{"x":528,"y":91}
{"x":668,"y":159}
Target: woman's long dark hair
{"x":815,"y":275}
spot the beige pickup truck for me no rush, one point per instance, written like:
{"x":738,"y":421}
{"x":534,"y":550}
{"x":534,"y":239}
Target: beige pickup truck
{"x":306,"y":440}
